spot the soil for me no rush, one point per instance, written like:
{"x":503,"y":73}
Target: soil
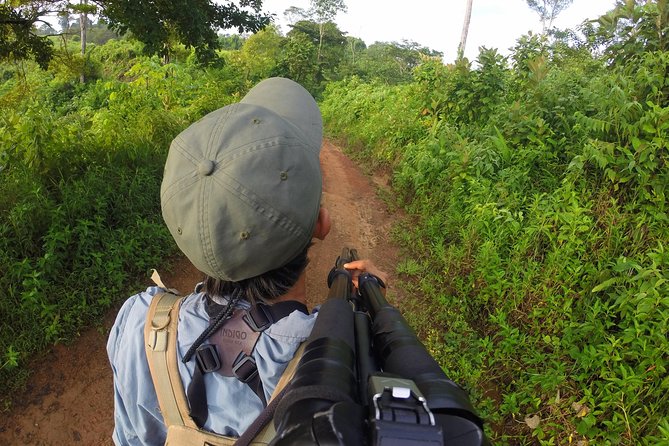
{"x":69,"y":399}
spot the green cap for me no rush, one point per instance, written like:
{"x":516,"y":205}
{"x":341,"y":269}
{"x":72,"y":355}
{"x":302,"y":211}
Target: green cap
{"x":241,"y":188}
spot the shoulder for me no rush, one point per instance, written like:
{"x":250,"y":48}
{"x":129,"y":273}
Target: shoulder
{"x":279,"y":342}
{"x":294,"y":328}
{"x":136,"y":413}
{"x":130,"y":318}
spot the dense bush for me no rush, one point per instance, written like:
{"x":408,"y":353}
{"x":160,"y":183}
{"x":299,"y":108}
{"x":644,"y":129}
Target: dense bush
{"x":80,"y":172}
{"x":540,"y":191}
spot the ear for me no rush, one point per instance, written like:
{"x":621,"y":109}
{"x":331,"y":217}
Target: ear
{"x":323,"y":224}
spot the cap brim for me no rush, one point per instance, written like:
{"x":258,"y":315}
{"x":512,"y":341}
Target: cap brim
{"x":292,"y":102}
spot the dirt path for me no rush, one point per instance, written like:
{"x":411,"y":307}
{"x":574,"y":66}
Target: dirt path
{"x":70,"y":396}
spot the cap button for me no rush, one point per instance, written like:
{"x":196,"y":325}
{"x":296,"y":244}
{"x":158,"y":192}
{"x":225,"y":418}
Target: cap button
{"x":206,"y":167}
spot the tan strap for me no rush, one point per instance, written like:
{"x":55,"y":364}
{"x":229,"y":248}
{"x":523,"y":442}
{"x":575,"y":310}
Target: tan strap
{"x":188,"y":436}
{"x":155,"y":276}
{"x":264,"y":435}
{"x":160,"y":335}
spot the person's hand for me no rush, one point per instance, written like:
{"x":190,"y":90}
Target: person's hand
{"x":358,"y":267}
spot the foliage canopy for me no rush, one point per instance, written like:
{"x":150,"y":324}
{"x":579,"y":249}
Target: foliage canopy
{"x":156,"y":23}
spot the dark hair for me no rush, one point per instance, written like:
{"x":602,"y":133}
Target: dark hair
{"x":268,"y":286}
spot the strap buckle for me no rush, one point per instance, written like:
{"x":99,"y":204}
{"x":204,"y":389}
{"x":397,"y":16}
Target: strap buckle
{"x":207,"y":358}
{"x":401,"y":404}
{"x":245,"y":368}
{"x":259,"y":317}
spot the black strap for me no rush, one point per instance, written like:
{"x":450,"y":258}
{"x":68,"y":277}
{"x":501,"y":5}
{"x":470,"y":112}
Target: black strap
{"x":197,"y":398}
{"x":245,"y":369}
{"x":260,"y":317}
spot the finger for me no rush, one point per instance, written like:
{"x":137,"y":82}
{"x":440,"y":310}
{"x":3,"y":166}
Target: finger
{"x":365,"y":265}
{"x":357,"y":264}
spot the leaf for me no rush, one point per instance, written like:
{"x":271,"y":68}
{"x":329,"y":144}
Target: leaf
{"x":648,"y":128}
{"x":580,"y":409}
{"x":533,"y":421}
{"x":624,"y":265}
{"x":604,"y":285}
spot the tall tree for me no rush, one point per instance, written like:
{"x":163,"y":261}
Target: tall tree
{"x":18,"y":34}
{"x":355,"y":43}
{"x":321,"y":12}
{"x":193,"y":22}
{"x":260,"y":54}
{"x":332,"y":47}
{"x":394,"y":62}
{"x":548,"y":10}
{"x":465,"y":30}
{"x":297,"y":61}
{"x":326,"y":11}
{"x":64,"y":21}
{"x":83,"y":18}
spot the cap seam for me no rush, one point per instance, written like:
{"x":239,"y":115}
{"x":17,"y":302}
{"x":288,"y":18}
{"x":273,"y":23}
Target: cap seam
{"x":300,"y":132}
{"x":205,"y":231}
{"x":262,"y":144}
{"x":179,"y":146}
{"x":183,"y":149}
{"x":206,"y":238}
{"x":221,"y":123}
{"x":252,"y":200}
{"x":177,"y":187}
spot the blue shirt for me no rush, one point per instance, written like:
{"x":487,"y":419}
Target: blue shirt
{"x":232,"y":404}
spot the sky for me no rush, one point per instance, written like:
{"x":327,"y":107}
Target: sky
{"x":437,"y":24}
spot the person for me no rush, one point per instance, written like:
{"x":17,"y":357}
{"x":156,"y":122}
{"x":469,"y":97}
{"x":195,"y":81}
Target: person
{"x":241,"y":195}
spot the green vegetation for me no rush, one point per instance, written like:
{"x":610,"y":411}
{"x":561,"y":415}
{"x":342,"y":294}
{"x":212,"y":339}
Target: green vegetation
{"x":538,"y":190}
{"x":80,"y":172}
{"x":535,"y":187}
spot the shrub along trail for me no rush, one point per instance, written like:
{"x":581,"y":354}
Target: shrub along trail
{"x":69,"y":398}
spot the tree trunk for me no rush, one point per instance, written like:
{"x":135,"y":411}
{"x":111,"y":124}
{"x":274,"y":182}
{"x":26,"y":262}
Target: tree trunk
{"x":465,"y":30}
{"x":320,"y":41}
{"x":83,"y":18}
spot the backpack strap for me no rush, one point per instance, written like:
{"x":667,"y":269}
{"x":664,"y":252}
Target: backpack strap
{"x":262,"y":315}
{"x":237,"y":355}
{"x":261,"y":431}
{"x":160,"y":335}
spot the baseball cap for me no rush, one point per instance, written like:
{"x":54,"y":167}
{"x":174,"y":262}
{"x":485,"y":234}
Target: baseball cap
{"x":241,"y":187}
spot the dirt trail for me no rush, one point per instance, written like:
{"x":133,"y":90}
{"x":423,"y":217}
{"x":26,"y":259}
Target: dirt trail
{"x":69,"y":400}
